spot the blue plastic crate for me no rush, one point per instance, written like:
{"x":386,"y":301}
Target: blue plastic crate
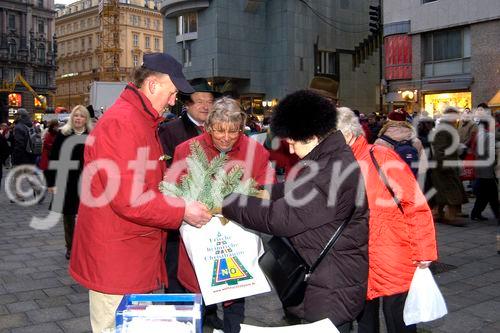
{"x":160,"y":312}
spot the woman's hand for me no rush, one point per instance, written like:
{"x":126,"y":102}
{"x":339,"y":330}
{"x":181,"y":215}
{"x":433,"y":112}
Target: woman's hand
{"x":422,"y":264}
{"x":52,"y":190}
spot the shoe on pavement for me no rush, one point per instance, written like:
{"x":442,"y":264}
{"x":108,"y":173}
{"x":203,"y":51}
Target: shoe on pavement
{"x":478,"y":217}
{"x":453,"y":223}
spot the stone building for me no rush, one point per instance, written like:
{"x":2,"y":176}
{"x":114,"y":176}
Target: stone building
{"x":79,"y":63}
{"x":28,"y":51}
{"x":263,"y":50}
{"x":441,"y":52}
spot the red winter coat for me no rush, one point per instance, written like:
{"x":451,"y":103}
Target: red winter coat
{"x":396,"y":240}
{"x":258,"y":168}
{"x":48,"y":141}
{"x":119,"y":247}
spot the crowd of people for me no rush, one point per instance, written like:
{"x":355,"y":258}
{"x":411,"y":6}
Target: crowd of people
{"x":367,"y":172}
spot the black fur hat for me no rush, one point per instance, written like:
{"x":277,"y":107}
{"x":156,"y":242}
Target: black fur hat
{"x":302,"y":115}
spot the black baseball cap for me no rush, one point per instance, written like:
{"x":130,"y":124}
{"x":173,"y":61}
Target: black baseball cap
{"x":166,"y":64}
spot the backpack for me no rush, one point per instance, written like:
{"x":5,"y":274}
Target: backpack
{"x":34,"y":143}
{"x":406,"y":151}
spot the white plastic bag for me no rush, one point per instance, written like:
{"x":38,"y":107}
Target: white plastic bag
{"x":424,"y":301}
{"x":225,"y":259}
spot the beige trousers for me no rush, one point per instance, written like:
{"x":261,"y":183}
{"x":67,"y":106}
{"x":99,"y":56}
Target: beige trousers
{"x":102,"y":311}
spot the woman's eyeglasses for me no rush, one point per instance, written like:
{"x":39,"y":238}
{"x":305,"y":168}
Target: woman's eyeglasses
{"x":221,"y":132}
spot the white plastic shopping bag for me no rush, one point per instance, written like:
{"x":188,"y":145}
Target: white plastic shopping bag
{"x":321,"y":326}
{"x":225,"y":259}
{"x":424,"y":301}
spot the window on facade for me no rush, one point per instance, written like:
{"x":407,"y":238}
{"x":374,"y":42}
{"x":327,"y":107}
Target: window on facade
{"x":147,"y":22}
{"x":82,"y":42}
{"x":82,"y":24}
{"x":41,"y":26}
{"x":157,"y":25}
{"x":135,"y":59}
{"x":157,"y":43}
{"x":39,"y":3}
{"x":327,"y":63}
{"x":12,"y":48}
{"x":447,"y":52}
{"x":40,"y":78}
{"x":187,"y":23}
{"x":186,"y":55}
{"x":135,"y":40}
{"x":90,"y":42}
{"x":147,"y":42}
{"x":12,"y":22}
{"x":41,"y":53}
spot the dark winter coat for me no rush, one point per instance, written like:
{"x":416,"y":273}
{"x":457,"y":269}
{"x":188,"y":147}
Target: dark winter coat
{"x":69,"y":195}
{"x":337,"y":289}
{"x":21,"y":137}
{"x":176,"y":132}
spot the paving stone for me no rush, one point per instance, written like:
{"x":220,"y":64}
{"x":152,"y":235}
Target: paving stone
{"x":78,"y":298}
{"x":3,"y":310}
{"x":13,"y":320}
{"x":31,"y":285}
{"x":43,"y":275}
{"x":17,"y":257}
{"x":8,"y":298}
{"x":41,"y":328}
{"x":22,"y":306}
{"x":54,"y":301}
{"x":76,"y":325}
{"x":49,"y":314}
{"x":31,"y":295}
{"x":25,"y":271}
{"x":59,"y":291}
{"x":485,"y":310}
{"x":79,"y":309}
{"x":10,"y":265}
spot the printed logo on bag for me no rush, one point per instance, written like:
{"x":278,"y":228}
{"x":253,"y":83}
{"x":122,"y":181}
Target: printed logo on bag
{"x":227,"y":268}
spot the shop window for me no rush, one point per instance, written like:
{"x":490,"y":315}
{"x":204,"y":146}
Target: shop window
{"x":187,"y":23}
{"x":446,"y":52}
{"x":437,"y":103}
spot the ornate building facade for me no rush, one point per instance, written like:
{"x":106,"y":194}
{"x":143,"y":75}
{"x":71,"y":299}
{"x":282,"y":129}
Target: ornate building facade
{"x":28,"y":50}
{"x":80,"y":59}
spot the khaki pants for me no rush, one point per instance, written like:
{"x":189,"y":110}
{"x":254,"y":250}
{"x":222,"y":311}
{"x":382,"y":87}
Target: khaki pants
{"x":102,"y":311}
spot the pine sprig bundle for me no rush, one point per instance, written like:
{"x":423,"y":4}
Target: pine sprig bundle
{"x":208,"y":182}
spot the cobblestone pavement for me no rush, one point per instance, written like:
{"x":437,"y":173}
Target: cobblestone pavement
{"x":38,"y":295}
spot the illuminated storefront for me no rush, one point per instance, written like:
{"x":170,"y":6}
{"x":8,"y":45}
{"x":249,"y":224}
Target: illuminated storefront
{"x":436,"y":103}
{"x":15,"y":100}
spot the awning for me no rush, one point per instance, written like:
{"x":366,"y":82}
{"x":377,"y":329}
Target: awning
{"x":495,"y":101}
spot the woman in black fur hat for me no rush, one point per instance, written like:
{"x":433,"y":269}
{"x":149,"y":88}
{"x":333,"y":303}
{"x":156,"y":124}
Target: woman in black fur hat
{"x":311,"y":205}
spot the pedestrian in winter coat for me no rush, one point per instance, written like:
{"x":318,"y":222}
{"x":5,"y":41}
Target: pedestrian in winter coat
{"x":48,"y":142}
{"x":310,"y":207}
{"x":119,"y":242}
{"x":225,"y":125}
{"x":4,"y":149}
{"x":399,"y":240}
{"x":445,"y":177}
{"x":21,"y":137}
{"x":67,"y":199}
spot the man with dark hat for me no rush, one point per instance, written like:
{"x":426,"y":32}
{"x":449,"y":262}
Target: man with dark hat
{"x":119,"y":241}
{"x":191,"y":123}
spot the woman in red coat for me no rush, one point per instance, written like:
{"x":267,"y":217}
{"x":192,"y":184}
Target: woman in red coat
{"x":48,"y":141}
{"x":225,"y":125}
{"x":401,"y":238}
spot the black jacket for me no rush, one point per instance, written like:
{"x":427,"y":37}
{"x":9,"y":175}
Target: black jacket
{"x":69,"y":196}
{"x":176,"y":132}
{"x":337,"y":289}
{"x":21,"y":137}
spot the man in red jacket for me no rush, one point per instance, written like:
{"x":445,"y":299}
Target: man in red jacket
{"x":119,"y":241}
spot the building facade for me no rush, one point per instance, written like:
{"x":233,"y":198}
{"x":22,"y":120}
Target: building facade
{"x":441,"y":52}
{"x":28,"y":48}
{"x":263,"y":50}
{"x":78,"y":27}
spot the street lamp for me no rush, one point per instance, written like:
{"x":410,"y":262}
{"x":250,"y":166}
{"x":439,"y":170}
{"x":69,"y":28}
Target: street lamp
{"x":69,"y":75}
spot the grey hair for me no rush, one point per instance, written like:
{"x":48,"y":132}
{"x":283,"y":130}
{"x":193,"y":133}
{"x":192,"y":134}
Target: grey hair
{"x":68,"y":127}
{"x":226,"y":110}
{"x":348,"y":123}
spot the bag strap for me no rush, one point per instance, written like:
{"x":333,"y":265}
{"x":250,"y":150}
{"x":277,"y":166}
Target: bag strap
{"x":388,"y":139}
{"x":329,"y":245}
{"x":384,"y":180}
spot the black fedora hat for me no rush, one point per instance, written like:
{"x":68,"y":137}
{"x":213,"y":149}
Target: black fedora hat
{"x":200,"y":85}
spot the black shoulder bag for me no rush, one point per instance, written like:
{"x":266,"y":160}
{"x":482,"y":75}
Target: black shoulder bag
{"x":287,"y":271}
{"x":384,"y":180}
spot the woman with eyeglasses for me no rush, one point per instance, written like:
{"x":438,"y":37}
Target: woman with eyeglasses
{"x":224,"y":135}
